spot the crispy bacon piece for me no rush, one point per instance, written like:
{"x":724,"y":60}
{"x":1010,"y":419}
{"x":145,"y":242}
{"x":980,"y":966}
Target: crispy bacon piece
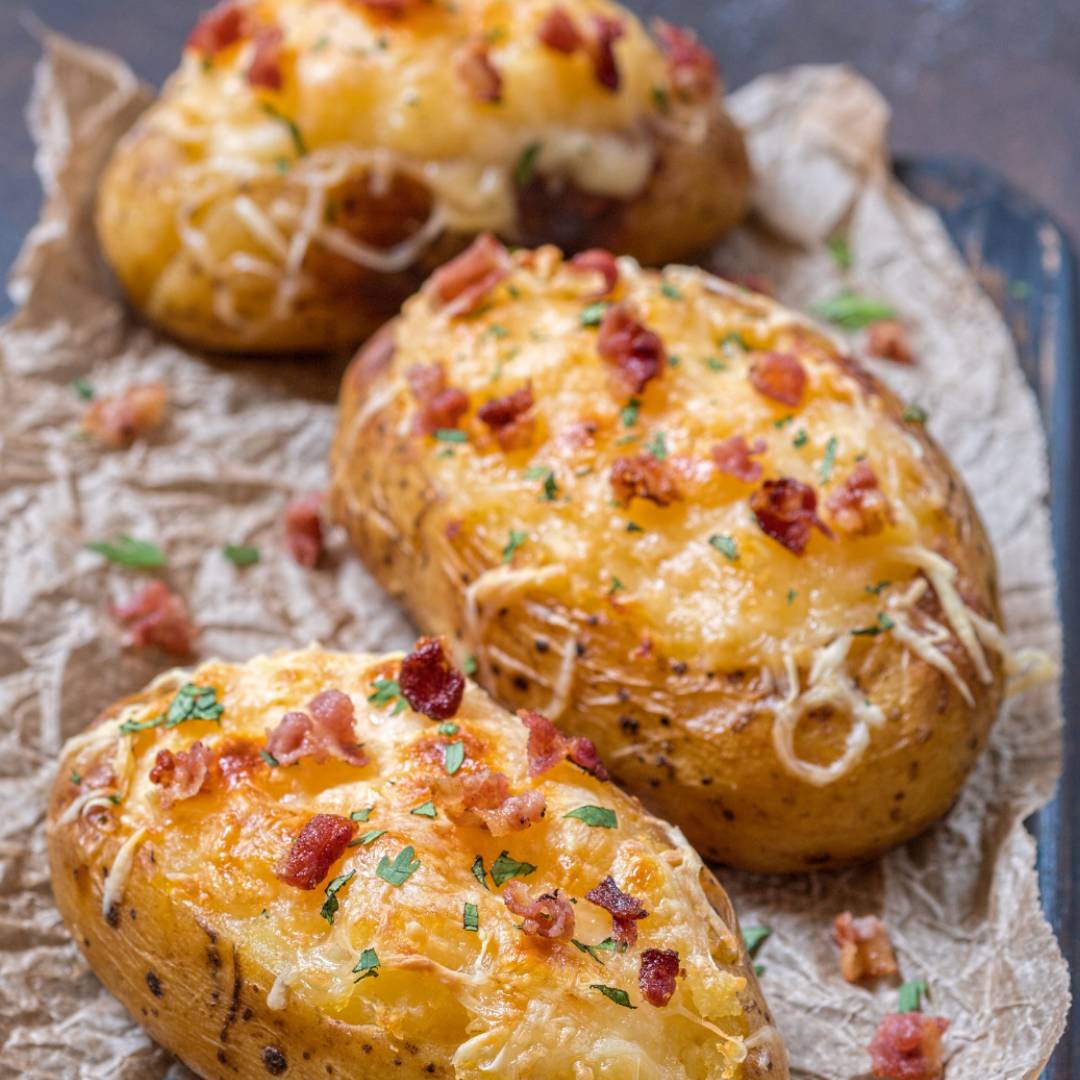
{"x":779,"y":376}
{"x":865,"y":951}
{"x":624,"y":909}
{"x":600,"y":261}
{"x":429,"y":682}
{"x":265,"y":70}
{"x":548,"y":916}
{"x":483,"y":798}
{"x":888,"y":339}
{"x":441,"y":406}
{"x":321,"y":842}
{"x":508,"y":418}
{"x":691,"y":66}
{"x":786,"y":511}
{"x":463,"y":282}
{"x":119,"y":420}
{"x":218,"y":28}
{"x":656,"y":980}
{"x":156,"y":617}
{"x":732,"y":457}
{"x":303,"y":529}
{"x":548,"y":746}
{"x":390,"y":7}
{"x":907,"y":1046}
{"x":182,"y":775}
{"x":859,"y":506}
{"x":558,"y":31}
{"x":635,"y":351}
{"x":602,"y":35}
{"x":480,"y":76}
{"x":328,"y":732}
{"x":645,"y":477}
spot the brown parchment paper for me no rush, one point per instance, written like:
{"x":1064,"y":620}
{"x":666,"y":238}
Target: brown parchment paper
{"x":242,"y":437}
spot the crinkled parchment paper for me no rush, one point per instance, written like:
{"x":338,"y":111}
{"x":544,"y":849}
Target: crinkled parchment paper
{"x":242,"y":437}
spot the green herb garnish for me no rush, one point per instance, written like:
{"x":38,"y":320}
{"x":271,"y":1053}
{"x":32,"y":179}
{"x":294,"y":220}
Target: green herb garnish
{"x":468,"y":665}
{"x":726,"y":546}
{"x":130,"y":727}
{"x":536,"y":472}
{"x":526,"y":166}
{"x":657,"y":446}
{"x":791,"y":594}
{"x":387,"y":690}
{"x":670,"y":291}
{"x":294,"y":131}
{"x":876,"y":590}
{"x":593,"y":315}
{"x":829,"y":460}
{"x":401,"y":869}
{"x":269,"y":759}
{"x":362,"y":815}
{"x":75,"y":778}
{"x":612,"y":946}
{"x":447,"y":728}
{"x":616,"y":585}
{"x":127,"y":551}
{"x":713,"y":363}
{"x":368,"y":964}
{"x":504,"y":868}
{"x":244,"y":555}
{"x":598,"y":817}
{"x":83,"y":389}
{"x":427,"y":810}
{"x":590,"y":949}
{"x":329,"y":908}
{"x":629,"y":413}
{"x":884,"y":623}
{"x":454,"y":757}
{"x":479,"y":872}
{"x":620,"y":997}
{"x":915,"y":414}
{"x":754,"y":937}
{"x":661,"y":99}
{"x":194,"y":703}
{"x":517,"y":538}
{"x":910,"y":992}
{"x":470,"y":918}
{"x":551,"y":489}
{"x":852,"y":312}
{"x":840,"y":250}
{"x":633,"y":526}
{"x":368,"y":838}
{"x":800,"y":440}
{"x":496,"y":330}
{"x":454,"y":435}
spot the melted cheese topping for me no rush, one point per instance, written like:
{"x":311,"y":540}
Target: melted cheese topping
{"x":499,"y":1003}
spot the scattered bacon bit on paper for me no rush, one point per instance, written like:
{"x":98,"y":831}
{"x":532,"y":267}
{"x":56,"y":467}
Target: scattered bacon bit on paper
{"x":482,"y":798}
{"x":888,"y":340}
{"x":321,"y":842}
{"x":732,"y":457}
{"x":182,"y":775}
{"x":692,"y":67}
{"x":858,"y":506}
{"x":303,"y":529}
{"x":462,"y":283}
{"x":656,"y":979}
{"x":509,"y":418}
{"x":327,"y":732}
{"x":548,"y":746}
{"x":429,"y":681}
{"x":624,"y":909}
{"x":119,"y":420}
{"x":548,"y":916}
{"x":779,"y":376}
{"x":635,"y":351}
{"x":786,"y":511}
{"x":599,"y":261}
{"x":908,"y":1046}
{"x":155,"y":616}
{"x":865,"y":951}
{"x":645,"y":477}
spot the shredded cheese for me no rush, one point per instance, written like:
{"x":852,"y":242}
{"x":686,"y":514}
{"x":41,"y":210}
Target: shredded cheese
{"x":120,"y":872}
{"x":99,"y":797}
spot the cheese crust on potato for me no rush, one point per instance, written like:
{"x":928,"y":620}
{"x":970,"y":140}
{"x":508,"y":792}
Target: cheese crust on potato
{"x":671,"y":515}
{"x":312,"y":161}
{"x":281,"y":868}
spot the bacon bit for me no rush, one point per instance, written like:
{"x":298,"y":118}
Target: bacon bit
{"x":453,"y":528}
{"x":865,"y":951}
{"x":480,"y":76}
{"x":635,"y":351}
{"x":265,"y":70}
{"x":646,"y":478}
{"x":602,"y":35}
{"x":327,"y":733}
{"x":303,"y":529}
{"x":548,"y":916}
{"x":429,"y":682}
{"x":506,"y":416}
{"x":779,"y":376}
{"x":888,"y":339}
{"x":691,"y":66}
{"x":483,"y":798}
{"x":390,"y":7}
{"x":463,"y":282}
{"x":597,"y":260}
{"x":623,"y":908}
{"x":656,"y":980}
{"x":119,"y":420}
{"x":907,"y":1046}
{"x":786,"y":511}
{"x":182,"y":775}
{"x":643,"y":650}
{"x":732,"y":457}
{"x":218,"y":28}
{"x":559,"y":32}
{"x":321,"y":842}
{"x":858,"y":506}
{"x":548,"y":746}
{"x":156,"y":617}
{"x":441,"y":406}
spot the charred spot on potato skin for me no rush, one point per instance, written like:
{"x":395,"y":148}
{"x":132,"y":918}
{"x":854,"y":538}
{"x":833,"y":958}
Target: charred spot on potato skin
{"x":817,"y":860}
{"x":367,"y":1048}
{"x":541,"y":645}
{"x":154,"y":983}
{"x":112,"y":916}
{"x":521,"y":683}
{"x":274,"y":1060}
{"x":629,"y":725}
{"x":221,"y":1057}
{"x":246,"y":1014}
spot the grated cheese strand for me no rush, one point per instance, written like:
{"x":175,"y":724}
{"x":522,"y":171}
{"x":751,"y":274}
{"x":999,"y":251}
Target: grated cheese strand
{"x":120,"y":872}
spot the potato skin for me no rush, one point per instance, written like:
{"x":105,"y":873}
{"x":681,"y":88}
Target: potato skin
{"x":167,"y":219}
{"x":695,"y":743}
{"x":202,"y":994}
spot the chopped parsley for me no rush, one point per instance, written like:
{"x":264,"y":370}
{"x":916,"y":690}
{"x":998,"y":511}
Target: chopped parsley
{"x":504,"y":868}
{"x":713,"y":363}
{"x":791,"y":594}
{"x":673,"y":360}
{"x":851,"y":311}
{"x":661,"y":99}
{"x":551,"y":489}
{"x":83,"y":389}
{"x":590,"y":949}
{"x":783,"y":421}
{"x":241,"y":555}
{"x":620,"y":997}
{"x":598,"y":817}
{"x":194,"y":703}
{"x":269,"y":759}
{"x":754,"y":937}
{"x":454,"y":757}
{"x":629,"y":414}
{"x":114,"y":799}
{"x":470,"y":918}
{"x":496,"y":330}
{"x":593,"y":315}
{"x":616,"y":585}
{"x":478,"y":871}
{"x":734,"y":339}
{"x":1019,"y":290}
{"x":670,"y":291}
{"x":127,"y":551}
{"x":536,"y":472}
{"x":448,"y":452}
{"x":362,"y":815}
{"x":627,"y":439}
{"x":367,"y":838}
{"x":633,"y":526}
{"x":884,"y":623}
{"x":75,"y":778}
{"x":130,"y":727}
{"x":387,"y":690}
{"x":294,"y":131}
{"x":915,"y":414}
{"x":517,"y":538}
{"x":401,"y":869}
{"x":427,"y":810}
{"x":829,"y":460}
{"x":801,"y":439}
{"x":876,"y":590}
{"x":455,"y":435}
{"x":448,"y":728}
{"x":329,"y":908}
{"x":368,"y":964}
{"x":468,"y":665}
{"x":612,"y":946}
{"x":657,"y":446}
{"x":726,"y":546}
{"x":910,"y":992}
{"x":840,"y":250}
{"x":526,"y":166}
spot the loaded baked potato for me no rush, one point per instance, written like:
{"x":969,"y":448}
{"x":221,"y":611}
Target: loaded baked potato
{"x":671,"y":515}
{"x":310,"y":163}
{"x":319,"y":864}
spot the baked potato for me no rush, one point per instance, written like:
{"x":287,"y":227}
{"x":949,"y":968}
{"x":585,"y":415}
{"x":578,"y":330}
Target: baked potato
{"x":281,"y":867}
{"x":310,"y":163}
{"x":673,"y":516}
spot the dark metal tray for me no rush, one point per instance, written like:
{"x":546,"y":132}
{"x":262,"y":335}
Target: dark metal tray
{"x":1025,"y":263}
